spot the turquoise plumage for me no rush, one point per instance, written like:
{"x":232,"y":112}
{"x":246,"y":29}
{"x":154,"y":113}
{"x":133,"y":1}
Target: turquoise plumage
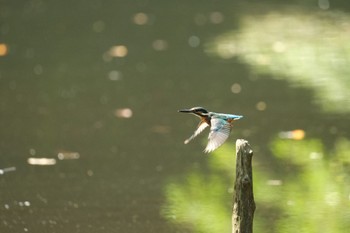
{"x":220,"y":126}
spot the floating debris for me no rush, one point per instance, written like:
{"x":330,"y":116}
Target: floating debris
{"x":42,"y":161}
{"x":7,"y":169}
{"x":68,"y":155}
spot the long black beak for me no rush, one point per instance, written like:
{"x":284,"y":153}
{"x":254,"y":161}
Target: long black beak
{"x":185,"y":110}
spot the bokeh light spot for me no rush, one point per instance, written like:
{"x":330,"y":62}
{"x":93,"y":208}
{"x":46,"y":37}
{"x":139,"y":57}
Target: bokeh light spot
{"x":123,"y":113}
{"x":118,"y":51}
{"x":115,"y":75}
{"x":141,"y":18}
{"x":90,"y":173}
{"x":160,"y":45}
{"x":194,"y":41}
{"x":236,"y":88}
{"x":297,"y":134}
{"x":216,"y":17}
{"x":261,"y":106}
{"x":3,"y":49}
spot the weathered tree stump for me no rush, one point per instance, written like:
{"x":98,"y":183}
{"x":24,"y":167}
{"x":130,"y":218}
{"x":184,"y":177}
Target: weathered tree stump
{"x":243,"y":199}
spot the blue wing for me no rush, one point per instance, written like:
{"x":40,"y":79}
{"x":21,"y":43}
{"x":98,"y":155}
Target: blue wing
{"x":228,"y":116}
{"x":234,"y":117}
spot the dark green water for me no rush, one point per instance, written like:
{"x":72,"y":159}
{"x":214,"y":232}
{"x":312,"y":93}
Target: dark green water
{"x":94,"y":87}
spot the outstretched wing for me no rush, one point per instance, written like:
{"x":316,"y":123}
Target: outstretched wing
{"x":219,"y":132}
{"x":202,"y":125}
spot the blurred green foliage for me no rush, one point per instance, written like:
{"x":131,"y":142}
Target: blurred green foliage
{"x":312,"y":195}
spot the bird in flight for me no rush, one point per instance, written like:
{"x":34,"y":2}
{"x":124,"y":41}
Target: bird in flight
{"x":220,"y":126}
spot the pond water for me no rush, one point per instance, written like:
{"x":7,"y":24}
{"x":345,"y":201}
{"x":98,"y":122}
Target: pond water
{"x":91,"y":140}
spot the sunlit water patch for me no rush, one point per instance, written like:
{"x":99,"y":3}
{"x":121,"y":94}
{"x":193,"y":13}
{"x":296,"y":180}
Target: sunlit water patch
{"x":308,"y":48}
{"x":310,"y":195}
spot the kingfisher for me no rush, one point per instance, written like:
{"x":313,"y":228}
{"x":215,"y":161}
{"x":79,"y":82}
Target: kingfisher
{"x":220,"y":126}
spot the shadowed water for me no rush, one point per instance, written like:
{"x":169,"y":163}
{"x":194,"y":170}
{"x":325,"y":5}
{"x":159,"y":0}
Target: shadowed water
{"x":91,"y":140}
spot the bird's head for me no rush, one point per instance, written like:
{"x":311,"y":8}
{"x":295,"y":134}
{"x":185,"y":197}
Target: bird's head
{"x":199,"y":111}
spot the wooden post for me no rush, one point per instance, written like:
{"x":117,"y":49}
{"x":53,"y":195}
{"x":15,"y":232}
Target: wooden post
{"x":243,"y":200}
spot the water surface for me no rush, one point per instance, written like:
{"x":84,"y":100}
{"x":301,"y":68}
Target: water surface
{"x":91,"y":140}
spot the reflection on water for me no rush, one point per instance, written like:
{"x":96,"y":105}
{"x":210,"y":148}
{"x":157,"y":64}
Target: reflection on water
{"x":320,"y":188}
{"x":201,"y":199}
{"x":307,"y":48}
{"x":89,"y":93}
{"x":311,"y":195}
